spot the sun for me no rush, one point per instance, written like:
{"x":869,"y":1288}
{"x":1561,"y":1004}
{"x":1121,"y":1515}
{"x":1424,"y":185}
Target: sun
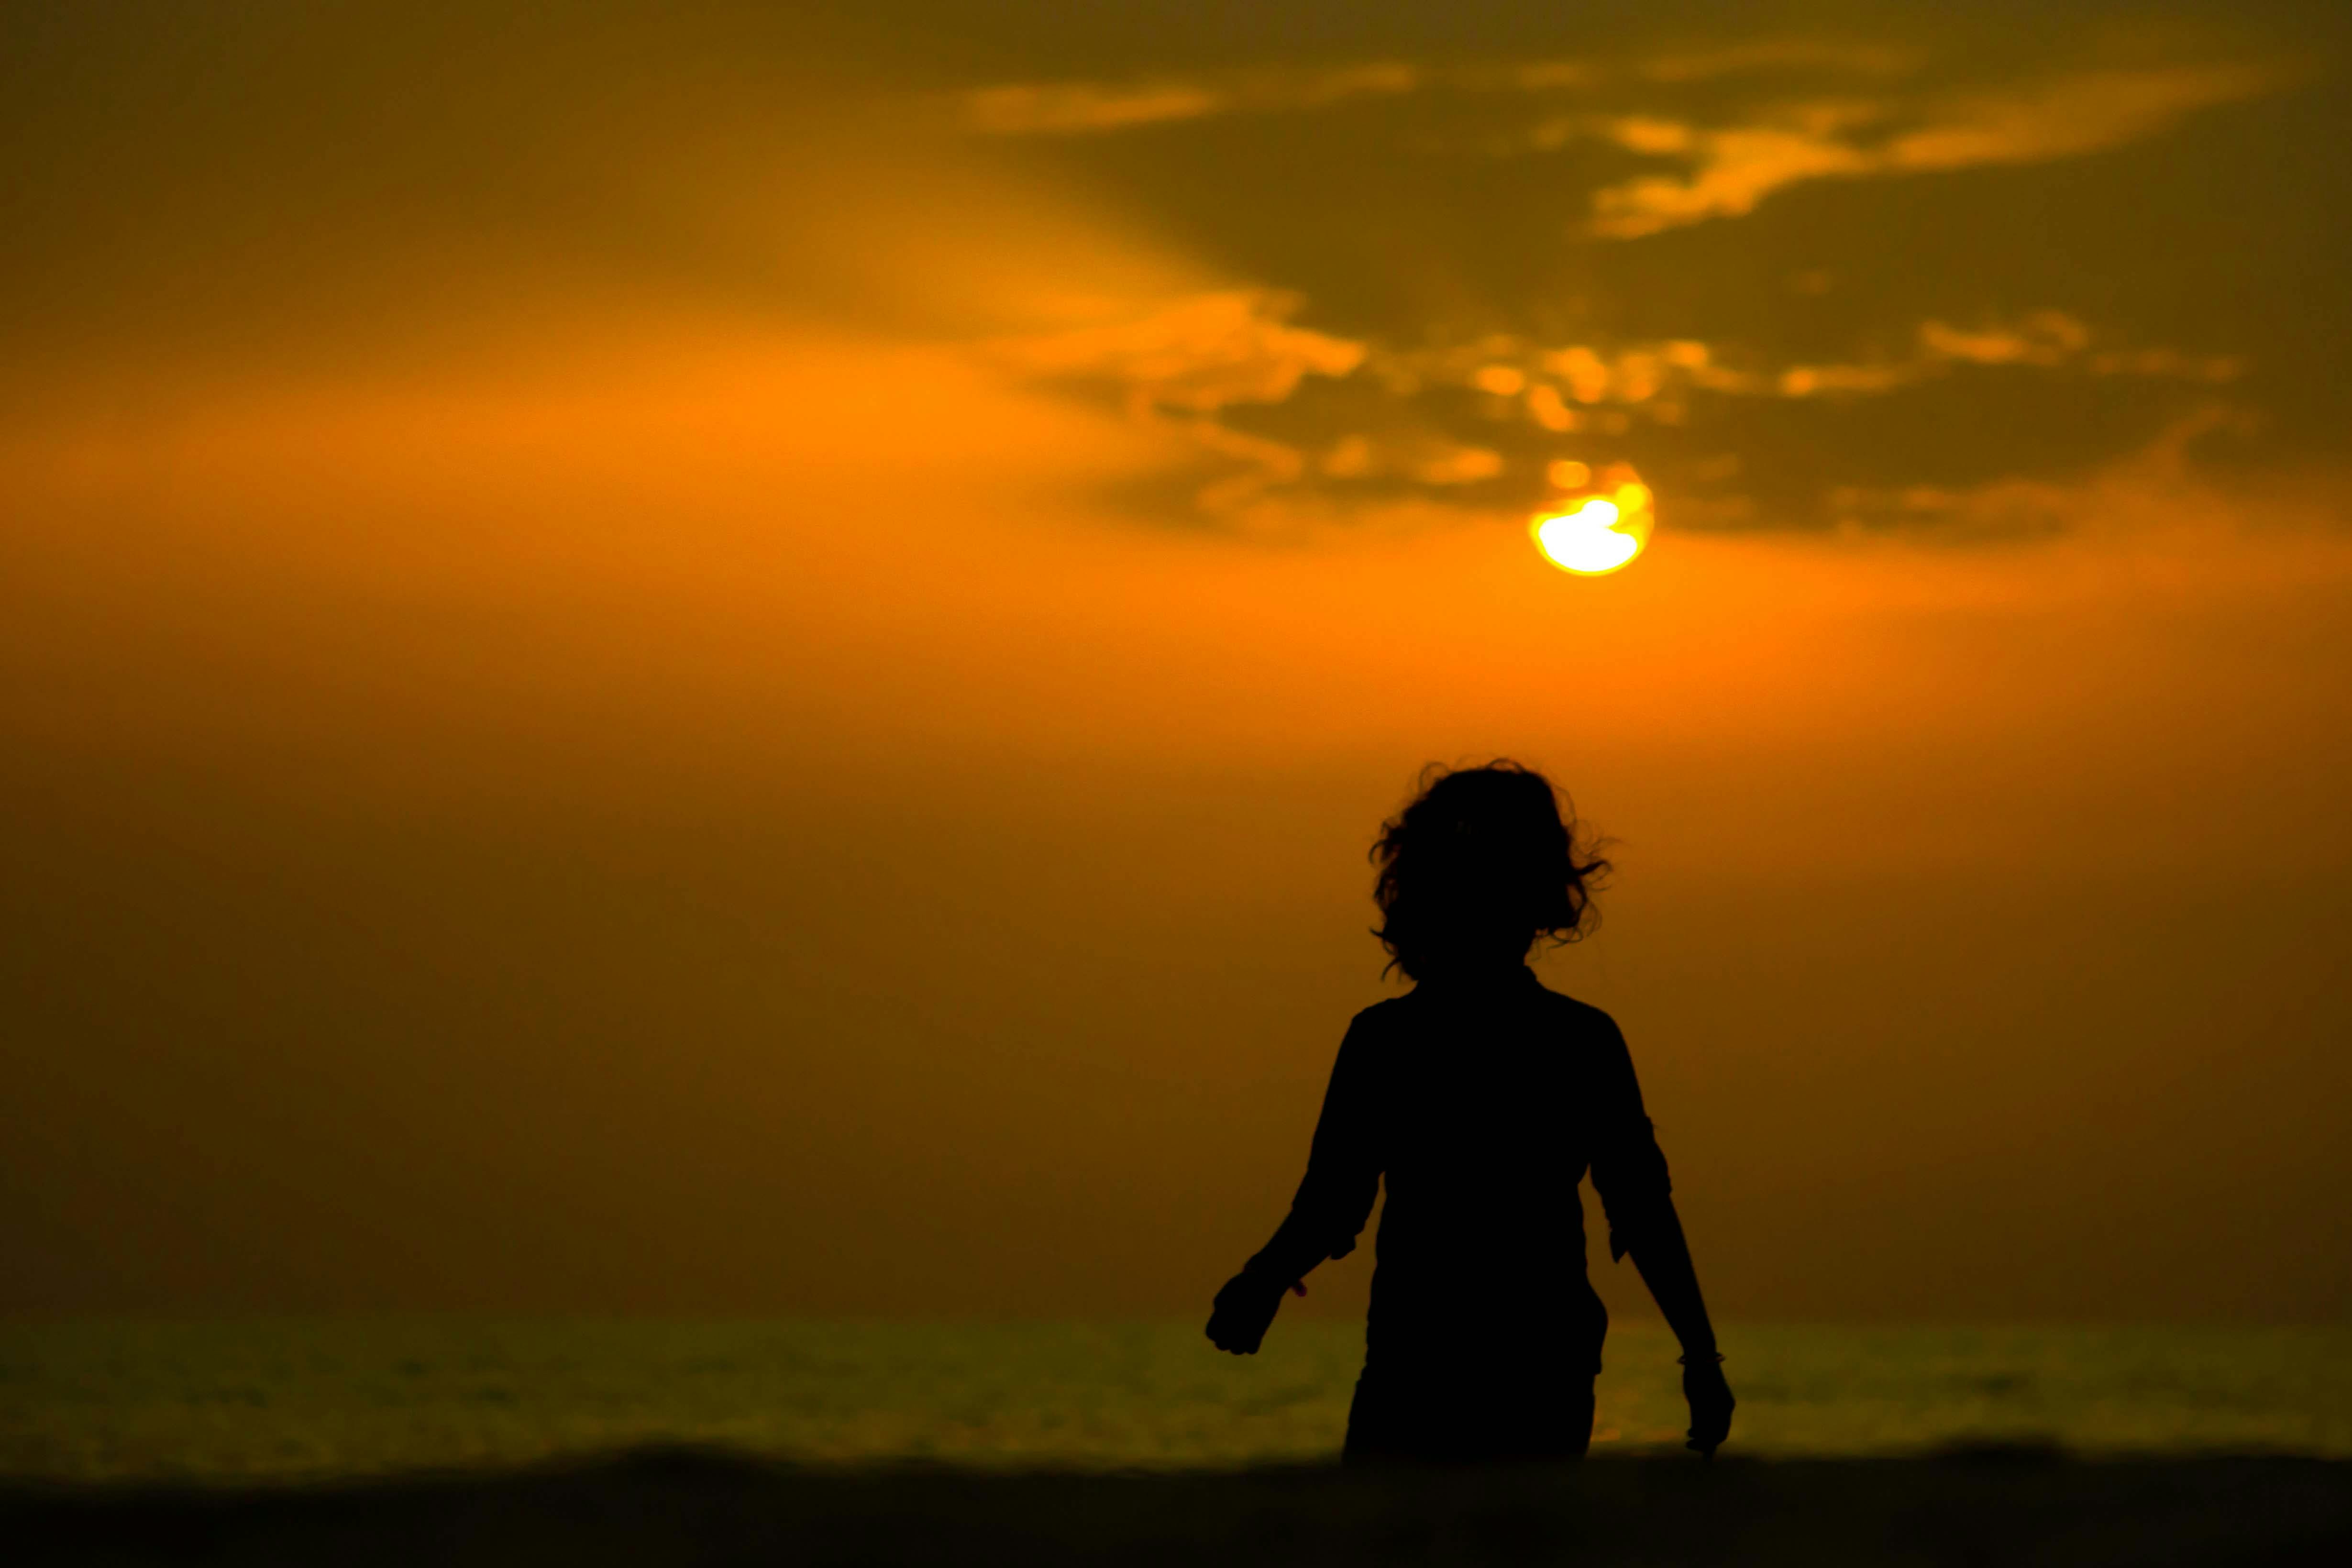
{"x":1598,"y":534}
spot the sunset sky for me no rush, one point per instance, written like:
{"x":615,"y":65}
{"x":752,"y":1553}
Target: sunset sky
{"x":740,"y":659}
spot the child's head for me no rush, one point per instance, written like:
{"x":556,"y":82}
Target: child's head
{"x":1482,"y":863}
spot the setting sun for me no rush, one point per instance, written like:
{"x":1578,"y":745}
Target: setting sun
{"x":1600,"y":534}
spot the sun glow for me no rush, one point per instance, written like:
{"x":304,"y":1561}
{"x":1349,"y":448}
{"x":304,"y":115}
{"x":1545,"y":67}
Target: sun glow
{"x":1600,"y":532}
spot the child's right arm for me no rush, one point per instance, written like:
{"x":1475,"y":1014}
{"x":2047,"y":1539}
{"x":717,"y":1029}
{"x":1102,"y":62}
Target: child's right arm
{"x":1343,"y":1177}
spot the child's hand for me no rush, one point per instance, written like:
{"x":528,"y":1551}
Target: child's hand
{"x":1244,"y":1310}
{"x":1710,"y":1404}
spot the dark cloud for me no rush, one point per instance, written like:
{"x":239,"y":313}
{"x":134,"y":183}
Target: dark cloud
{"x":1787,"y":279}
{"x":1844,"y":224}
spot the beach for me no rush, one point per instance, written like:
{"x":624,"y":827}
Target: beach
{"x":331,"y":1400}
{"x":2019,"y":1506}
{"x":455,"y":1440}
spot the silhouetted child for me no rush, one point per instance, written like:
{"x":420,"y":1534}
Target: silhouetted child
{"x":1482,"y":1097}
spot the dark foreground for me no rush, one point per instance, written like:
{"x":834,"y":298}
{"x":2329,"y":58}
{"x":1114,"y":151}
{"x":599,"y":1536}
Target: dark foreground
{"x":660,"y":1509}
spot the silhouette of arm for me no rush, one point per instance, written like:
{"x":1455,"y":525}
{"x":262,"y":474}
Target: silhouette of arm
{"x":1629,"y":1172}
{"x":1343,"y":1177}
{"x":1343,"y":1174}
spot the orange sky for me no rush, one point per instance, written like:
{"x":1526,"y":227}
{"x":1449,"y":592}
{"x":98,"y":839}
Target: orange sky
{"x":757,"y":710}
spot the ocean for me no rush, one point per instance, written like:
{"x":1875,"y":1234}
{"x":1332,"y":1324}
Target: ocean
{"x":316,"y":1399}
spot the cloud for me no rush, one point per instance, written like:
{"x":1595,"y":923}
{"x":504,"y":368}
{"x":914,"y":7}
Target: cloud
{"x":2015,"y":506}
{"x":1196,"y":354}
{"x":1905,"y":404}
{"x":1731,"y":169}
{"x":1731,"y":165}
{"x":1565,"y":387}
{"x":2045,"y":337}
{"x":1294,"y":422}
{"x":1079,"y":108}
{"x":1782,"y":54}
{"x":2048,"y":340}
{"x":1179,"y":363}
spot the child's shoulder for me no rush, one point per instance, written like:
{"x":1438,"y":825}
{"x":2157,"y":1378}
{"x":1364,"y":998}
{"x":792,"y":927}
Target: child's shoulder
{"x":1383,"y":1023}
{"x":1578,"y":1017}
{"x":1557,"y":1007}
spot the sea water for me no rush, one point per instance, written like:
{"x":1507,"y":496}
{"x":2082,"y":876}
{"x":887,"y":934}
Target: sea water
{"x":321,"y":1398}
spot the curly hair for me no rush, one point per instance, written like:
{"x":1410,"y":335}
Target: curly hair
{"x":1479,"y":865}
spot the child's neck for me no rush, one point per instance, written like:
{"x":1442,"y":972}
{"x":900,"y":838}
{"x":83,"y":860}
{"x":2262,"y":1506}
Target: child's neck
{"x":1478,"y":974}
